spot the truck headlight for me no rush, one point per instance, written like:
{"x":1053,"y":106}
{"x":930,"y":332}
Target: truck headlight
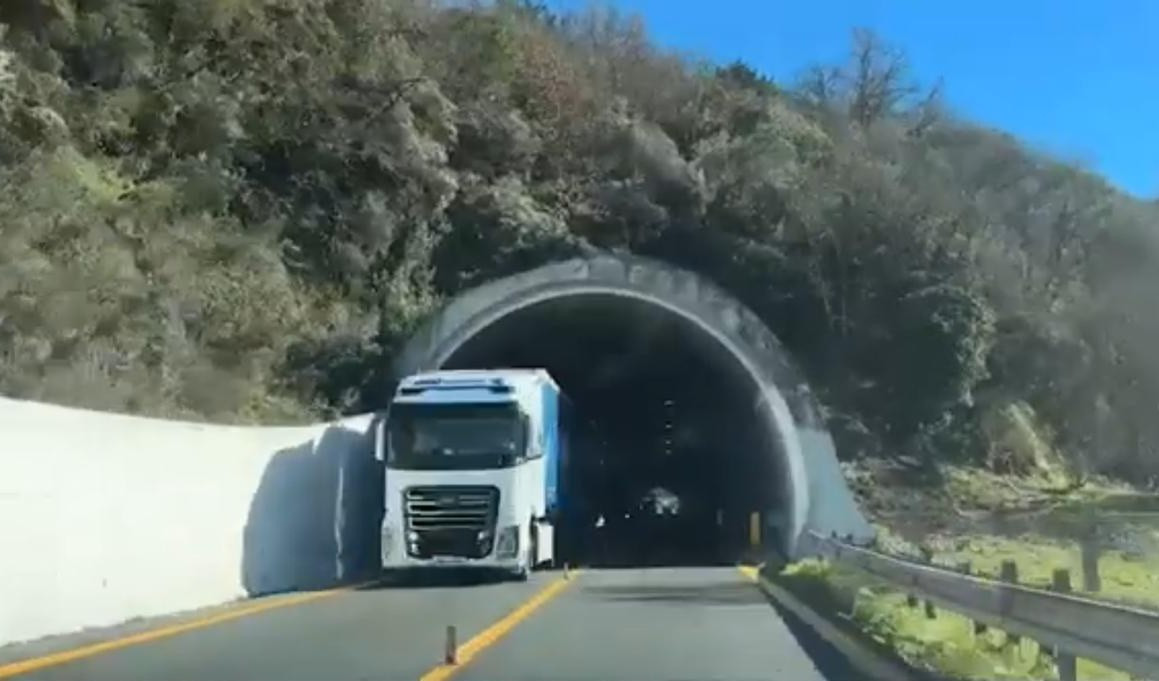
{"x":507,"y":545}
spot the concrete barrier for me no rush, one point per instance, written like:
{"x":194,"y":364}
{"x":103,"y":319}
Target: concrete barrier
{"x":107,"y":517}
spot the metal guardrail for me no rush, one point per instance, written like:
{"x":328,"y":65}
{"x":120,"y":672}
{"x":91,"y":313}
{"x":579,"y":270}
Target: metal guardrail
{"x":1117,"y":636}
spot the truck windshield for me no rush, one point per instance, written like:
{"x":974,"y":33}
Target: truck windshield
{"x":458,"y":436}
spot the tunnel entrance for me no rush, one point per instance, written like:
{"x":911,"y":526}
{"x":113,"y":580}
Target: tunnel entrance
{"x":681,"y":462}
{"x":697,"y":399}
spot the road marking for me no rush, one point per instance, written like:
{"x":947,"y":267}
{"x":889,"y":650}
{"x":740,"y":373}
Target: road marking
{"x":498,"y":629}
{"x":252,"y":608}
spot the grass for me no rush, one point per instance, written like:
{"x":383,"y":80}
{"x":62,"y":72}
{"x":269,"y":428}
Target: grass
{"x":977,"y":516}
{"x":946,"y":645}
{"x":1125,"y":579}
{"x":974,"y":488}
{"x":1044,"y":538}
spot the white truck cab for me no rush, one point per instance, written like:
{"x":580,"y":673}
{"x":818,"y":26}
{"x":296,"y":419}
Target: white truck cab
{"x":473,"y":464}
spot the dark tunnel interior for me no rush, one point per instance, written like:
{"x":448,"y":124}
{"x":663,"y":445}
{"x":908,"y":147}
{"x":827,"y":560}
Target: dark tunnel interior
{"x":684,"y":460}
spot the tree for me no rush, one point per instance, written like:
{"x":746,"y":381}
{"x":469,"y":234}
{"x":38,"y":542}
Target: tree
{"x":241,"y":210}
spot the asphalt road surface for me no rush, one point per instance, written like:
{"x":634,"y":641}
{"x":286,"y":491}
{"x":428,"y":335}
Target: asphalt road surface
{"x":633,"y":624}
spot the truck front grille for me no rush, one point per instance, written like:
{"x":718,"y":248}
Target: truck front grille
{"x":451,"y":520}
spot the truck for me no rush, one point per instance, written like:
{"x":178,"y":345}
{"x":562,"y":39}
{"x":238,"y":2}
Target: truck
{"x":476,"y":468}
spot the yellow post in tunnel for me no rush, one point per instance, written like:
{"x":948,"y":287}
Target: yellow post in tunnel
{"x":755,"y":529}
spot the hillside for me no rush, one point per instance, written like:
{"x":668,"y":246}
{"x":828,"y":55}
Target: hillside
{"x":237,"y":209}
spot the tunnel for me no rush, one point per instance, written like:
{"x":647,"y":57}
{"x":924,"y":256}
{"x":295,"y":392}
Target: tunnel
{"x":705,"y":425}
{"x":673,"y":412}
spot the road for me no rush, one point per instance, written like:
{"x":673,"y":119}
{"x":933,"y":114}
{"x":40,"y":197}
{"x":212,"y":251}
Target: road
{"x":633,"y":624}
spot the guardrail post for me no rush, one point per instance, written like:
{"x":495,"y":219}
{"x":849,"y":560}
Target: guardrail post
{"x":1067,"y":669}
{"x":966,"y":568}
{"x":1009,"y":574}
{"x":931,"y":611}
{"x":911,"y":601}
{"x":1089,"y":546}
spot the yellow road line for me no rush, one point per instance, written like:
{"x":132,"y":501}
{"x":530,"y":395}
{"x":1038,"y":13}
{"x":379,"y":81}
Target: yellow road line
{"x":53,"y":659}
{"x":498,"y":629}
{"x":751,"y":572}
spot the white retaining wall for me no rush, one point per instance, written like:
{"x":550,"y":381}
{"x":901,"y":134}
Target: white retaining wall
{"x":106,"y":517}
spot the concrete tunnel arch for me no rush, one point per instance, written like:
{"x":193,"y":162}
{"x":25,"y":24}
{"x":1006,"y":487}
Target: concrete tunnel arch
{"x":814,"y":494}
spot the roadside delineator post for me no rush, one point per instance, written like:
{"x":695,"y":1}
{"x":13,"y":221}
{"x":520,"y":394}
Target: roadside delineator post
{"x":566,"y":571}
{"x":449,"y":654}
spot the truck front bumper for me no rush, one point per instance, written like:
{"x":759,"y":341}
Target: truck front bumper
{"x":503,"y":554}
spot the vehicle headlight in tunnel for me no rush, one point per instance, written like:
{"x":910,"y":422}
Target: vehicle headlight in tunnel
{"x":507,"y":545}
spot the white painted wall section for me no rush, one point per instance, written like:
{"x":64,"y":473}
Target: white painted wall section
{"x":106,"y":517}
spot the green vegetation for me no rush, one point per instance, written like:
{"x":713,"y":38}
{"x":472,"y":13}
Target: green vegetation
{"x":1127,"y":574}
{"x":237,"y":209}
{"x":946,"y":644}
{"x":1123,"y":578}
{"x":951,"y":515}
{"x":1027,"y":520}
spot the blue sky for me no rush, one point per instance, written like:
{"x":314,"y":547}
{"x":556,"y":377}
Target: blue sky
{"x":1076,"y":78}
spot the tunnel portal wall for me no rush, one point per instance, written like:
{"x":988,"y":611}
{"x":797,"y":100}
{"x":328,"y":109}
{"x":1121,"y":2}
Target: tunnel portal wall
{"x":106,"y":517}
{"x":817,"y":496}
